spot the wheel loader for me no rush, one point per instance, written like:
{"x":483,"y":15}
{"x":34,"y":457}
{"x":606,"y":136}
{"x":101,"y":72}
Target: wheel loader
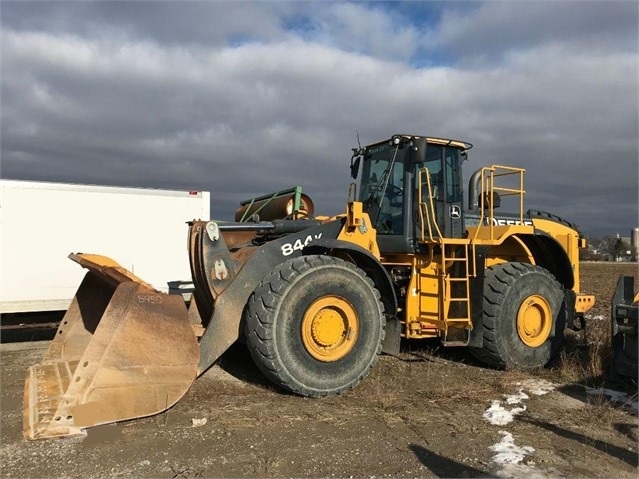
{"x":316,"y":299}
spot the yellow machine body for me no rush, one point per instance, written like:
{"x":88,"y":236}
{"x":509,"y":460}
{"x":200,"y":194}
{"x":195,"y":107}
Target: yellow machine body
{"x":317,"y":298}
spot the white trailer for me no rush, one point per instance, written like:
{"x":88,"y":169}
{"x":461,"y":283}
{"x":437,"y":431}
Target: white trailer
{"x":41,"y":223}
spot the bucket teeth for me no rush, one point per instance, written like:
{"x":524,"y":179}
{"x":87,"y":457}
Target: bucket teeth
{"x":46,"y":413}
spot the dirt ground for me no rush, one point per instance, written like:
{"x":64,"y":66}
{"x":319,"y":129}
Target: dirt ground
{"x":425,"y":414}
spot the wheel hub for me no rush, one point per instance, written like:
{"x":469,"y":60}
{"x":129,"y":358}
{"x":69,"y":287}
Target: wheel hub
{"x":534,"y":321}
{"x":329,"y":328}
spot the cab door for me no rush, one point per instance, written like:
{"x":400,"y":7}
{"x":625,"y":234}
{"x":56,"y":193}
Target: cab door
{"x":443,"y":165}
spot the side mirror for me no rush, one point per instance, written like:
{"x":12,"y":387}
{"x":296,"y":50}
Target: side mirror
{"x":355,"y":168}
{"x":419,"y":150}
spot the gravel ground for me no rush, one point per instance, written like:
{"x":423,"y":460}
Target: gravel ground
{"x":430,"y":413}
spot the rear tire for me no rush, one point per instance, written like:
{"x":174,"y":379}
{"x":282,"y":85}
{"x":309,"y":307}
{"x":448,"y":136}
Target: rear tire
{"x":524,"y":317}
{"x":315,"y":325}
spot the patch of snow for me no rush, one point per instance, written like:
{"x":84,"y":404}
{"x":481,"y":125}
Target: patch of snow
{"x":616,"y":396}
{"x":508,"y":452}
{"x":499,"y":416}
{"x":514,"y":461}
{"x":538,"y":387}
{"x":516,"y":398}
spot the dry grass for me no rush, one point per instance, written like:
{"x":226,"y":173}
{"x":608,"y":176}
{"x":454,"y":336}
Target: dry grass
{"x":382,"y":393}
{"x":587,"y":356}
{"x":587,"y":359}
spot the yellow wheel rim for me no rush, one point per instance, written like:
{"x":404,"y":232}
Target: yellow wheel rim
{"x":534,"y":321}
{"x":329,"y":328}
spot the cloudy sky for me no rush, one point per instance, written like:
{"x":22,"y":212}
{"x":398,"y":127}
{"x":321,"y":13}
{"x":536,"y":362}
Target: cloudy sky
{"x":244,"y":98}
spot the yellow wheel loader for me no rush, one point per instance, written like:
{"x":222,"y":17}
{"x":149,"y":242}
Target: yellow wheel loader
{"x":316,"y":299}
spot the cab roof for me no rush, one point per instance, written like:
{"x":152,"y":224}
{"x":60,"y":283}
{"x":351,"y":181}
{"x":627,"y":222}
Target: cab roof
{"x":433,"y":140}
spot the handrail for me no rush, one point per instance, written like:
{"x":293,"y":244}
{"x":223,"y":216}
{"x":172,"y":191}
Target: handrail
{"x":430,"y":204}
{"x":488,"y":190}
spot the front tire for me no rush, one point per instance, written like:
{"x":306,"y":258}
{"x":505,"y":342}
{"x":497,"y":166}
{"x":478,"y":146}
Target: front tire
{"x":524,"y":317}
{"x":315,"y":325}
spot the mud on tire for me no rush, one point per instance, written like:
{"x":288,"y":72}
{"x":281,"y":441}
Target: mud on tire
{"x":295,"y":334}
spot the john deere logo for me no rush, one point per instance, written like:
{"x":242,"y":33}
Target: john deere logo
{"x":454,"y":212}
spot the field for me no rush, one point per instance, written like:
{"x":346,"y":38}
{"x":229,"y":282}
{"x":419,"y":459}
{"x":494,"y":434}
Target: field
{"x":432,"y":412}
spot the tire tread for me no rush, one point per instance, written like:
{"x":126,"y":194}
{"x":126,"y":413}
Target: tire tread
{"x":260,"y":320}
{"x":498,"y":281}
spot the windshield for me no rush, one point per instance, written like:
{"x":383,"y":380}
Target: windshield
{"x":381,"y":188}
{"x":383,"y":169}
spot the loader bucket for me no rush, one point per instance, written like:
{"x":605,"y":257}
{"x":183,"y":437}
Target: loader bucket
{"x":123,"y":350}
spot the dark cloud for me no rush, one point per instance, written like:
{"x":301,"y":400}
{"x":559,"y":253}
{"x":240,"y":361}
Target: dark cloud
{"x":182,"y":95}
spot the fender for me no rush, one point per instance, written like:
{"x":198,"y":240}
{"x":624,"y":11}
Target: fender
{"x":364,"y":260}
{"x":374,"y":270}
{"x":550,"y":254}
{"x":224,"y":327}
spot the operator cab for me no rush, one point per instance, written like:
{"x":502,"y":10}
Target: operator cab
{"x":393,"y":174}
